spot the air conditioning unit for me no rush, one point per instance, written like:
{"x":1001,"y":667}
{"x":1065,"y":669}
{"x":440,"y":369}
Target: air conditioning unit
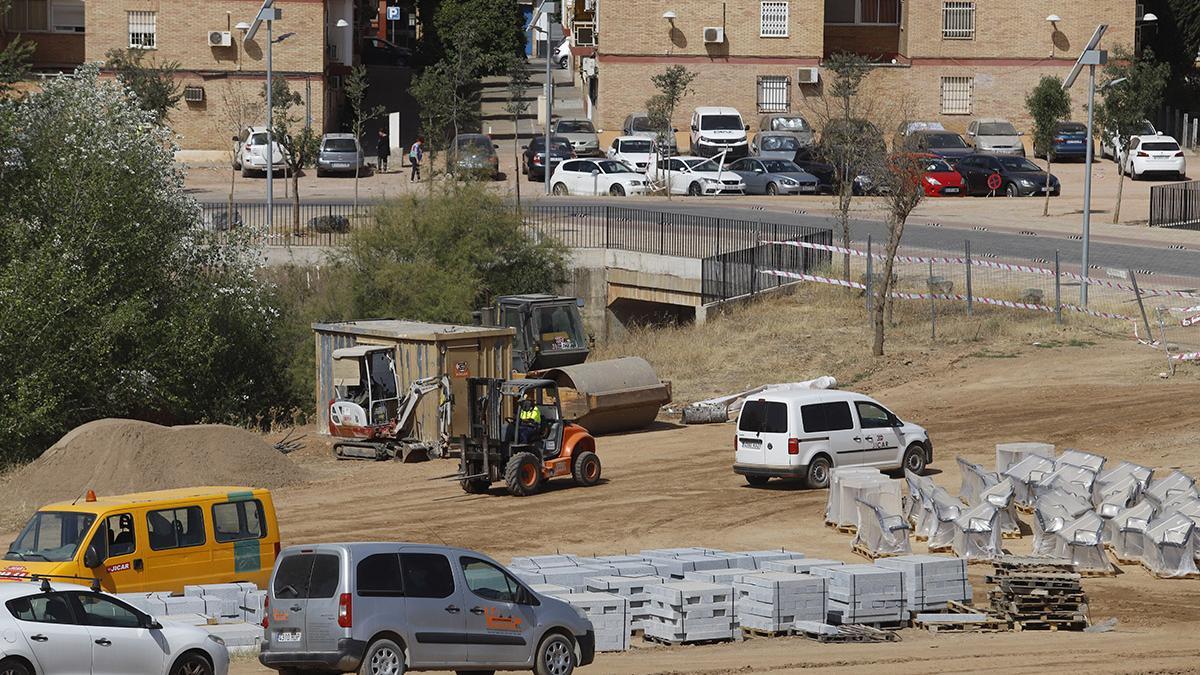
{"x":714,"y":35}
{"x":193,"y":94}
{"x":808,"y":75}
{"x":220,"y":38}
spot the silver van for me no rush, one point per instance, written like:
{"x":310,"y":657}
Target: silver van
{"x":387,"y":608}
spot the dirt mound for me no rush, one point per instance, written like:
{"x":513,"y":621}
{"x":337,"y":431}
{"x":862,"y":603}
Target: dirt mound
{"x":114,"y":456}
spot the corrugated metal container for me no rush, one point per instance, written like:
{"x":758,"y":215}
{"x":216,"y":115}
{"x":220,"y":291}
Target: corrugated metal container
{"x":422,"y":350}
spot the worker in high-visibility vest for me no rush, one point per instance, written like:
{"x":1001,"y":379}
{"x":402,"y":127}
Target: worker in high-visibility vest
{"x":529,"y":420}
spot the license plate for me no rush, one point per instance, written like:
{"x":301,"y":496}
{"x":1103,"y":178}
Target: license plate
{"x":751,"y":442}
{"x":341,"y":165}
{"x":290,"y":636}
{"x":951,"y":191}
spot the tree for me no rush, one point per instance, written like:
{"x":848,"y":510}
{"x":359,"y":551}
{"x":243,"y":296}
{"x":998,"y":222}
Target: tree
{"x":14,"y":57}
{"x":491,"y":29}
{"x":447,"y":94}
{"x":238,"y":111}
{"x":1175,"y":38}
{"x":902,"y":176}
{"x":672,"y":84}
{"x":517,"y":104}
{"x":153,"y":84}
{"x":117,"y":302}
{"x":298,"y":145}
{"x":1048,"y":104}
{"x":360,"y":115}
{"x":1128,"y":103}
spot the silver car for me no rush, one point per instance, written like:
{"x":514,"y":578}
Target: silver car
{"x":638,"y":124}
{"x":340,"y":153}
{"x":775,"y":144}
{"x":996,"y":136}
{"x":582,"y":136}
{"x":788,"y":123}
{"x":387,"y":608}
{"x":768,"y":176}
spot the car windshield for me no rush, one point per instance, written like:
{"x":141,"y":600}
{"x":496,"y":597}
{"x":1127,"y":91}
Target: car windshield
{"x":776,"y":143}
{"x":636,"y":146}
{"x":1018,"y":164}
{"x":478,"y":144}
{"x":789,"y":124}
{"x":780,"y":166}
{"x":721,"y":123}
{"x":576,"y":127}
{"x":945,"y":141}
{"x":640,"y":124}
{"x":919,"y":126}
{"x":996,"y":129}
{"x":609,"y":166}
{"x":697,"y":164}
{"x":340,"y":145}
{"x":937,"y":165}
{"x":52,"y":536}
{"x":1160,"y":145}
{"x":558,"y":328}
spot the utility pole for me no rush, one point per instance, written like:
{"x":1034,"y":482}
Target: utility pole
{"x":549,"y":10}
{"x":269,"y":14}
{"x":1090,"y":57}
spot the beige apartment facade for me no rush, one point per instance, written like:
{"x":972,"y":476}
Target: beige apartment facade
{"x":943,"y":60}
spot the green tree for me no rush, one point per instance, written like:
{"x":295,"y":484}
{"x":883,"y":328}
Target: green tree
{"x":673,"y":84}
{"x":154,"y":84}
{"x":517,"y":104}
{"x":239,"y":109}
{"x":1048,"y":104}
{"x":117,"y":302}
{"x":299,"y":143}
{"x":1133,"y":90}
{"x":14,"y":57}
{"x":491,"y":29}
{"x":448,"y":94}
{"x":360,"y":114}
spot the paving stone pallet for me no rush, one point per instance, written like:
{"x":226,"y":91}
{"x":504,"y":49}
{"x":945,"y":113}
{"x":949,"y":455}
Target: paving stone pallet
{"x":823,"y":632}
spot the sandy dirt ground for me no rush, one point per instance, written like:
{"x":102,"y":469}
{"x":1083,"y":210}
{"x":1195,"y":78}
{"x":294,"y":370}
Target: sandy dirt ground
{"x":672,"y":486}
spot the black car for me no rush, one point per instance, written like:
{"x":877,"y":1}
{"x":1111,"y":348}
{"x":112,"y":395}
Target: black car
{"x":985,"y":174}
{"x":867,"y":158}
{"x":533,"y":160}
{"x":380,"y":52}
{"x":807,"y":159}
{"x":945,"y":144}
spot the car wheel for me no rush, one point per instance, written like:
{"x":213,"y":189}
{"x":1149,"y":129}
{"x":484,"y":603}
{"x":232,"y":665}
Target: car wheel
{"x":586,"y":469}
{"x":245,"y":172}
{"x":555,"y":656}
{"x":617,"y":190}
{"x":383,"y":657}
{"x":1010,"y":190}
{"x":321,"y":173}
{"x":560,"y":190}
{"x":757,"y":481}
{"x":914,"y":459}
{"x":523,"y":474}
{"x":695,"y":190}
{"x":818,"y":473}
{"x":191,"y":664}
{"x":1133,"y":172}
{"x":772,"y":189}
{"x":14,"y":667}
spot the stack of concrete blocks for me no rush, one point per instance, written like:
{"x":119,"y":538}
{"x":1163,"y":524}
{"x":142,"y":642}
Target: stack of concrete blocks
{"x":675,"y":565}
{"x":931,"y":582}
{"x":222,"y":602}
{"x":610,"y":618}
{"x":740,"y":561}
{"x":529,"y":568}
{"x":725,"y":577}
{"x":574,"y":576}
{"x":799,"y":565}
{"x":691,"y":611}
{"x":773,"y":601}
{"x":1010,"y":454}
{"x":863,"y":594}
{"x":633,"y":589}
{"x":761,"y":558}
{"x":552,"y":590}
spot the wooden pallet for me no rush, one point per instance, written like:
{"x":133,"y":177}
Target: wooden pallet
{"x":940,"y":549}
{"x":851,"y":633}
{"x":760,"y":633}
{"x":1027,"y":510}
{"x":1049,"y":625}
{"x":1010,"y":535}
{"x":988,"y":626}
{"x":1156,"y":575}
{"x":872,"y":555}
{"x":920,"y":537}
{"x":673,"y":643}
{"x":1112,"y":571}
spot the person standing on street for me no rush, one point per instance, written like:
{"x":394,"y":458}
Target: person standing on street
{"x":414,"y":158}
{"x":383,"y":148}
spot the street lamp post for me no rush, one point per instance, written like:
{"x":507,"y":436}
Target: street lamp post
{"x":1090,"y":57}
{"x":548,"y":9}
{"x":269,"y":14}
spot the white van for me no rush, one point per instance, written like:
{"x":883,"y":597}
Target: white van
{"x":716,"y":130}
{"x":804,"y":433}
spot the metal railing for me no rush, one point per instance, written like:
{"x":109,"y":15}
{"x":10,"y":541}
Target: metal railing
{"x":320,"y":224}
{"x":739,"y":273}
{"x":1176,"y":205}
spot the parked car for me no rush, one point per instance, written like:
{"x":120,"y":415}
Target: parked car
{"x":696,"y":176}
{"x":414,"y":607}
{"x":939,"y":178}
{"x":1108,"y":143}
{"x":562,"y":54}
{"x":638,"y":125}
{"x":581,"y":135}
{"x":379,"y":52}
{"x":250,"y":153}
{"x":775,"y":145}
{"x":770,"y":176}
{"x":340,"y":153}
{"x":535,"y":159}
{"x":1017,"y":176}
{"x":51,"y":629}
{"x":805,"y":433}
{"x":863,"y":133}
{"x":908,"y":127}
{"x":810,"y":162}
{"x":1070,"y":141}
{"x":1155,"y":154}
{"x":636,"y":151}
{"x":787,"y":123}
{"x":945,"y":144}
{"x":996,"y":136}
{"x":596,"y":177}
{"x":717,"y":130}
{"x":474,"y":156}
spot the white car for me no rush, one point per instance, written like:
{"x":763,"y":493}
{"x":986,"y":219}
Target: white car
{"x":250,"y":152}
{"x":596,"y":177}
{"x":697,"y":176}
{"x":1108,"y":144}
{"x":634,"y":151}
{"x":70,"y":630}
{"x":1155,"y":155}
{"x":803,"y":433}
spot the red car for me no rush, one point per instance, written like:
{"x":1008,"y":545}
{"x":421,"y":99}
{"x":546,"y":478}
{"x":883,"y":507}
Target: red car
{"x":939,"y":178}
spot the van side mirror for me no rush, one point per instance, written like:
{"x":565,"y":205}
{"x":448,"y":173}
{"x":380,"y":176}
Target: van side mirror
{"x":895,"y":421}
{"x":747,"y":127}
{"x":91,"y":558}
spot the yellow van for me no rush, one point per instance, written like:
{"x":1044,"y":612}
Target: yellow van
{"x":152,"y":541}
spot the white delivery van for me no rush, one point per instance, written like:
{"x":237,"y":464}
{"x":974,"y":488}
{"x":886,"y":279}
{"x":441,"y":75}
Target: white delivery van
{"x":717,"y":130}
{"x":804,"y":433}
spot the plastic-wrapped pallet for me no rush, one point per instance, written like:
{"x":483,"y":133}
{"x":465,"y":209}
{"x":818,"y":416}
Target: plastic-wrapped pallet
{"x":931,"y":581}
{"x":880,"y":533}
{"x":873,"y":489}
{"x":1170,"y":547}
{"x":610,"y":618}
{"x":633,"y":589}
{"x":1081,"y":459}
{"x":761,"y":558}
{"x":918,"y":487}
{"x":690,"y":611}
{"x":863,"y":593}
{"x":1125,"y":532}
{"x":1009,"y":454}
{"x":939,"y":524}
{"x":1140,"y":474}
{"x":977,"y":533}
{"x":1169,"y":487}
{"x":799,"y":566}
{"x":1117,"y":495}
{"x":973,"y":481}
{"x":1077,"y":481}
{"x":1025,"y":475}
{"x":1051,"y":513}
{"x":774,"y":601}
{"x":837,"y":510}
{"x":1001,"y":494}
{"x":1082,"y":542}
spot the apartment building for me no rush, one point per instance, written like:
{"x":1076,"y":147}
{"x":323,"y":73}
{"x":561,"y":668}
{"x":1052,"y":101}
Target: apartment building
{"x":946,"y":60}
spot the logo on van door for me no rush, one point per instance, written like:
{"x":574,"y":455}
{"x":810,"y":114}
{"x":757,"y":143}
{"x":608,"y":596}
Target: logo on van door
{"x":13,"y":572}
{"x":497,"y":621}
{"x":120,"y":567}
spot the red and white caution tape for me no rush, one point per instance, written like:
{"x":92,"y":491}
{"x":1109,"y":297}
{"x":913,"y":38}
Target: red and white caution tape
{"x":1190,"y":321}
{"x":1189,"y":356}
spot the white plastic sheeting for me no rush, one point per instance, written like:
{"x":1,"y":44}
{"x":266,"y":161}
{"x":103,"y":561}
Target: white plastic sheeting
{"x":977,"y":533}
{"x":733,"y":403}
{"x":1025,"y":474}
{"x":1081,"y":459}
{"x":1114,"y":497}
{"x":1001,"y":495}
{"x":1069,"y":479}
{"x":944,"y":512}
{"x":868,"y":484}
{"x":1008,"y":454}
{"x":880,"y":532}
{"x":918,"y":487}
{"x":1051,"y":514}
{"x":1170,"y":487}
{"x":973,"y":481}
{"x":833,"y":504}
{"x":1170,"y":546}
{"x":1140,"y":474}
{"x":1081,"y":542}
{"x":1126,"y":531}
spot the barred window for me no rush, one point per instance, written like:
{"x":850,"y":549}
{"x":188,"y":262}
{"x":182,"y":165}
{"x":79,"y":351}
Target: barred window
{"x":958,"y":20}
{"x":774,"y":93}
{"x":956,"y":95}
{"x":774,"y":18}
{"x":142,"y":30}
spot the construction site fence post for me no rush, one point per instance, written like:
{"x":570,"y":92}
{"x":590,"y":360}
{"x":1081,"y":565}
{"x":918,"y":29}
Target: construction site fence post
{"x":970,"y":308}
{"x":662,"y":233}
{"x":1141,"y":306}
{"x":932,"y":305}
{"x":607,"y":222}
{"x":870,"y":290}
{"x":1057,"y":291}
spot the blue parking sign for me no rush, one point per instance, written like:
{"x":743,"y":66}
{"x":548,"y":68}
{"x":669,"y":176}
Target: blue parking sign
{"x":393,"y":13}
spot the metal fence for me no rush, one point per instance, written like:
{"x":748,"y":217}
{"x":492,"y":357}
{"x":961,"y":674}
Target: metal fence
{"x":1176,"y":205}
{"x":320,"y":224}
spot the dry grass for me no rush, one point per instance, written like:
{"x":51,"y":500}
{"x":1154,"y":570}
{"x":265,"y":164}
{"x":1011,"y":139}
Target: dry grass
{"x":818,"y":330}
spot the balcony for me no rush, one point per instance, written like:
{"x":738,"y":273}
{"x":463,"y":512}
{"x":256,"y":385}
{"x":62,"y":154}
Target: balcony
{"x":583,"y":33}
{"x":870,"y":28}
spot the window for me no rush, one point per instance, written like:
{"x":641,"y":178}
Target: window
{"x":51,"y":536}
{"x":956,"y":95}
{"x":307,"y":576}
{"x":176,"y":528}
{"x":427,"y":575}
{"x":774,"y":21}
{"x":764,"y":416}
{"x":101,"y":611}
{"x":115,"y":537}
{"x":67,"y":16}
{"x":958,"y":20}
{"x":235,"y":521}
{"x":25,"y":15}
{"x":49,"y":608}
{"x":379,"y":576}
{"x":872,"y":416}
{"x":488,"y":581}
{"x":863,"y":12}
{"x":774,"y":93}
{"x":142,"y":30}
{"x":819,"y":417}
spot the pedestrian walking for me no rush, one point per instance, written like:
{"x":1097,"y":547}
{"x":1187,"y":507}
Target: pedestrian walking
{"x":415,"y":153}
{"x":383,"y":148}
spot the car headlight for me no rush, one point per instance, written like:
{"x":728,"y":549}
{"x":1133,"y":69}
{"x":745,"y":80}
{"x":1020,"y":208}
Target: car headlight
{"x":217,"y":639}
{"x":711,"y":181}
{"x":789,"y":181}
{"x":1025,"y":182}
{"x":933,"y":181}
{"x":635,"y":182}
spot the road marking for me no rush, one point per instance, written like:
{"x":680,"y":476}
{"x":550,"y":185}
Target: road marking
{"x":987,"y":255}
{"x":1041,"y":260}
{"x":1075,"y":237}
{"x":1027,"y":233}
{"x":1143,"y":272}
{"x":799,"y":211}
{"x":979,"y":228}
{"x":1177,"y":247}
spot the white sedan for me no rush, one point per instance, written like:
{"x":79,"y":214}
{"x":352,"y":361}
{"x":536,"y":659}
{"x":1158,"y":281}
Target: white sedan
{"x":70,"y":630}
{"x":635,"y":151}
{"x":596,"y":177}
{"x":696,"y":176}
{"x":1155,"y":154}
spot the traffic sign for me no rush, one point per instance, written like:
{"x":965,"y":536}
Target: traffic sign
{"x":393,"y":13}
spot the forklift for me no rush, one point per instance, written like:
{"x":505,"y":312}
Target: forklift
{"x":523,"y":453}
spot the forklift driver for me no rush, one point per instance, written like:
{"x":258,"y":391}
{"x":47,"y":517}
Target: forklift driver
{"x":529,"y":421}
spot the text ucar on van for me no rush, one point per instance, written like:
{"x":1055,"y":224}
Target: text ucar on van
{"x":802,"y":434}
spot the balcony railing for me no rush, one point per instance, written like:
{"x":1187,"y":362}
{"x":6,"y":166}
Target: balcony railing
{"x":584,"y":33}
